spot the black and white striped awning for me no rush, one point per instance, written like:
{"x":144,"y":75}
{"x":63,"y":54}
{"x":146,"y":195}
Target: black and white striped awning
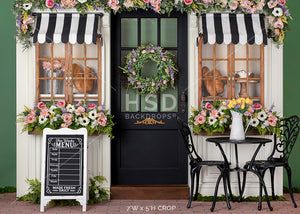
{"x":72,"y":28}
{"x":233,"y":28}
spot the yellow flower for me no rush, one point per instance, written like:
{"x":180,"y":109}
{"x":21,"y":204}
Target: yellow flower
{"x":193,"y":109}
{"x":243,"y":106}
{"x":248,"y":101}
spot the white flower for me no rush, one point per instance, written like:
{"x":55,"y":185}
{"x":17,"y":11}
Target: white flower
{"x":254,"y":122}
{"x":42,"y":119}
{"x":212,"y":120}
{"x":262,"y":116}
{"x":223,"y":120}
{"x":27,"y":6}
{"x":93,"y":114}
{"x":222,"y":109}
{"x":277,"y":12}
{"x":128,"y":3}
{"x":94,"y":124}
{"x":84,"y":121}
{"x":97,"y":183}
{"x":70,"y":108}
{"x":51,"y":109}
{"x":266,"y":123}
{"x":82,"y":1}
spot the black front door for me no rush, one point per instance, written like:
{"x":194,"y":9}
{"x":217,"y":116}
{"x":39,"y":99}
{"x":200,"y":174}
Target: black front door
{"x":147,"y":148}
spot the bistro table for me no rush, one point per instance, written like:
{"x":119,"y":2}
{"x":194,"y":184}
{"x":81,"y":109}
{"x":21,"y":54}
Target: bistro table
{"x":249,"y":140}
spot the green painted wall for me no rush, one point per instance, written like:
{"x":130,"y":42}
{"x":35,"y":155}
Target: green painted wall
{"x":8,"y":96}
{"x":291,"y":81}
{"x":8,"y":83}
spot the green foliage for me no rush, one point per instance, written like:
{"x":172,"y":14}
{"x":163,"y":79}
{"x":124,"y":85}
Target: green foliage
{"x":96,"y":193}
{"x":7,"y":189}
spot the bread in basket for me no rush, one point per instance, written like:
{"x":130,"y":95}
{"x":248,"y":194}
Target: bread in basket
{"x":79,"y":74}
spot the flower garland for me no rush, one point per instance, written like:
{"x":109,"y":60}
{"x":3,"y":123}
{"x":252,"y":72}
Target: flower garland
{"x":61,"y":115}
{"x":164,"y":77}
{"x":216,"y":117}
{"x":276,"y":11}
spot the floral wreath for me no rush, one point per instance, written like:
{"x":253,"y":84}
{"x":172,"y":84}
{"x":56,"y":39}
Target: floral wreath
{"x":164,"y":77}
{"x":276,"y":11}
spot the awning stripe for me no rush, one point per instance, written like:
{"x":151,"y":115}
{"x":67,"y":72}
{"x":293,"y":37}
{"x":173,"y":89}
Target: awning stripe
{"x":73,"y":28}
{"x":233,"y":28}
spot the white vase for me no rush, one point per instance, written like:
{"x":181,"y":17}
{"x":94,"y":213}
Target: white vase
{"x":237,"y":128}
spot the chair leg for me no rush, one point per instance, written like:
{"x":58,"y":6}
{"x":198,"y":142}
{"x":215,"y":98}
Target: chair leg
{"x":193,"y":173}
{"x":261,"y":181}
{"x":197,"y":184}
{"x":229,"y":184}
{"x":243,"y":184}
{"x":262,"y":174}
{"x":272,"y":172}
{"x":289,"y":173}
{"x":225,"y":190}
{"x":216,"y":192}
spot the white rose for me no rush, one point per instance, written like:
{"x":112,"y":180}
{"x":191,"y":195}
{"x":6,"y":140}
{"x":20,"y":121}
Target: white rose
{"x":82,"y":1}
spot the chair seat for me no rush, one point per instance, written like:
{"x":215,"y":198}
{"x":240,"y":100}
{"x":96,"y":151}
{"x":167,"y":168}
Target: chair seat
{"x":274,"y":162}
{"x":212,"y":163}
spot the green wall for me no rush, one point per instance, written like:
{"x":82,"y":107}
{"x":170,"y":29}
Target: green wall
{"x":8,"y":96}
{"x":8,"y":89}
{"x":291,"y":80}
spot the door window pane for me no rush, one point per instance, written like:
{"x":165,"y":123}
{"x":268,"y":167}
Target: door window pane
{"x":129,"y":32}
{"x":168,"y":32}
{"x":149,"y":69}
{"x":169,"y":100}
{"x":130,"y":99}
{"x":149,"y":31}
{"x":149,"y":103}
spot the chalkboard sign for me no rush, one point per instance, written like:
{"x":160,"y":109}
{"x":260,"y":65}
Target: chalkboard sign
{"x":64,"y":170}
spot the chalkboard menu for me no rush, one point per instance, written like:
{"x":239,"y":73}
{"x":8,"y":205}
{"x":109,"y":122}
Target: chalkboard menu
{"x":64,"y":165}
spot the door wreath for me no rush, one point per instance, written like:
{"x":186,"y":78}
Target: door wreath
{"x":164,"y":77}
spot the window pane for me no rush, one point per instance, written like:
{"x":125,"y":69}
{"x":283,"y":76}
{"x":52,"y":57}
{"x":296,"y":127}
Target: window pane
{"x":149,"y":31}
{"x":149,"y":69}
{"x":129,"y":32}
{"x":169,"y":32}
{"x":169,"y":100}
{"x":149,"y":103}
{"x":130,"y":99}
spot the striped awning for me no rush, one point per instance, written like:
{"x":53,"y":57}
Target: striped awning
{"x":233,"y":28}
{"x":72,"y":28}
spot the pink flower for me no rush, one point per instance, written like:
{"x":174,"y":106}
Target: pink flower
{"x":155,"y":4}
{"x":68,"y":3}
{"x":47,"y":66}
{"x":92,"y":106}
{"x":203,"y":113}
{"x":276,"y":32}
{"x":147,"y":1}
{"x":30,"y":118}
{"x":278,"y":24}
{"x":79,"y":110}
{"x":188,"y":2}
{"x":272,"y":3}
{"x":272,"y":120}
{"x":102,"y":119}
{"x":49,"y":3}
{"x":57,"y":65}
{"x":199,"y":119}
{"x":214,"y":113}
{"x":44,"y":112}
{"x":282,"y":2}
{"x":233,"y":5}
{"x":257,"y":106}
{"x":208,"y":106}
{"x":41,"y":105}
{"x":270,"y":19}
{"x":61,"y":104}
{"x":114,"y":4}
{"x":260,"y":6}
{"x":67,"y":118}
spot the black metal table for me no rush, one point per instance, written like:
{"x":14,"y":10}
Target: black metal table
{"x":249,"y":140}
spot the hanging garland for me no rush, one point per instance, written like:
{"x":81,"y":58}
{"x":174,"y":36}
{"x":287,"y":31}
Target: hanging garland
{"x":164,"y":77}
{"x":276,"y":11}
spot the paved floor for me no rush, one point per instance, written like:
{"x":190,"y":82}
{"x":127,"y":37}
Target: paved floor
{"x":9,"y":205}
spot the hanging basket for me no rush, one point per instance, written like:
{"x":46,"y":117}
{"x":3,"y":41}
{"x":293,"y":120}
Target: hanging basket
{"x":79,"y":75}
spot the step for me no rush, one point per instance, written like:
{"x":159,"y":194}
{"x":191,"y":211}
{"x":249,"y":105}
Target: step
{"x":151,"y":192}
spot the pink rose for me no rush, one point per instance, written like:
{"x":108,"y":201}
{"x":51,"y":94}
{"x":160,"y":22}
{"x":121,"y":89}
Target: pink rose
{"x":49,"y":3}
{"x":257,"y":106}
{"x":68,"y":3}
{"x":199,"y":119}
{"x":260,"y":6}
{"x":203,"y":113}
{"x":79,"y":110}
{"x":114,"y":4}
{"x":41,"y":105}
{"x":272,"y":3}
{"x":272,"y":120}
{"x":208,"y":106}
{"x":188,"y":2}
{"x":67,"y":118}
{"x":155,"y":4}
{"x":61,"y":104}
{"x":102,"y":119}
{"x":47,"y":66}
{"x":44,"y":112}
{"x":147,"y":1}
{"x":92,"y":106}
{"x":278,"y":24}
{"x":214,"y":113}
{"x":233,"y":5}
{"x":30,"y":118}
{"x":282,"y":2}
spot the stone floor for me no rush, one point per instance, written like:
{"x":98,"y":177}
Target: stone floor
{"x":9,"y":205}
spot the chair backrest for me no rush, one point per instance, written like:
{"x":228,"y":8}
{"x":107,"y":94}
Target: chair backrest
{"x":289,"y":131}
{"x":188,"y":140}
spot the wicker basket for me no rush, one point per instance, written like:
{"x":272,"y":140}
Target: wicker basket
{"x":80,"y":74}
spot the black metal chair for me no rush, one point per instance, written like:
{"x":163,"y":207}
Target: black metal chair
{"x":289,"y":131}
{"x":196,"y":163}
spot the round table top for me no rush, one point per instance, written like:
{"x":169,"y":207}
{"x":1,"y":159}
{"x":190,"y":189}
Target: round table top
{"x":248,"y":140}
